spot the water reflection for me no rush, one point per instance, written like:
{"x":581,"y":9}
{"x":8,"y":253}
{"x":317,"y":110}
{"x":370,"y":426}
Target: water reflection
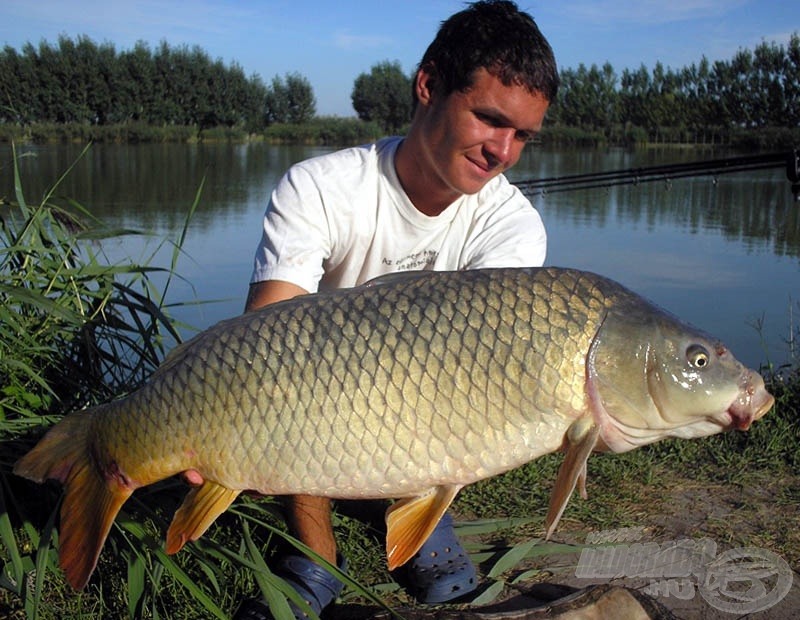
{"x":755,"y":208}
{"x":153,"y":185}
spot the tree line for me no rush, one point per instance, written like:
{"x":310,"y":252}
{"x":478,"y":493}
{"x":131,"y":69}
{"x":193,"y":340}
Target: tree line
{"x":86,"y":83}
{"x":705,"y":101}
{"x":81,"y":82}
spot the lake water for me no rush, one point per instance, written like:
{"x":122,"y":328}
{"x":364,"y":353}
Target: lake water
{"x":722,"y":253}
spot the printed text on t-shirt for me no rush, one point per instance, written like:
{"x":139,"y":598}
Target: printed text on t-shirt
{"x":417,"y":260}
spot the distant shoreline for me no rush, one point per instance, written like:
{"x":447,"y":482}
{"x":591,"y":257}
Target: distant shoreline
{"x":344,"y":131}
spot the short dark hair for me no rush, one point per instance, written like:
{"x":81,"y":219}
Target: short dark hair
{"x":497,"y":36}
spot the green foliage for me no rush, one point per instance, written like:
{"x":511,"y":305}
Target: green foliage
{"x":324,"y":130}
{"x":84,"y":83}
{"x":328,"y":130}
{"x":130,"y":133}
{"x":384,"y":96}
{"x":79,"y":90}
{"x":702,"y":103}
{"x":290,"y":100}
{"x":76,"y":329}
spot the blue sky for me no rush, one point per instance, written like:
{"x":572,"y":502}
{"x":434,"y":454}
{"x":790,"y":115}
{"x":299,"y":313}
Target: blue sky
{"x":332,"y":42}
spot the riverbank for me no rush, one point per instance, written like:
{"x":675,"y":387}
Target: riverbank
{"x":343,"y":131}
{"x":323,"y":130}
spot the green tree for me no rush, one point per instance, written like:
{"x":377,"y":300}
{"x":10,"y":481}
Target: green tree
{"x":635,"y":85}
{"x":665,"y":105}
{"x":289,"y":100}
{"x":699,"y":109}
{"x":78,"y":81}
{"x":588,"y":98}
{"x":302,"y":103}
{"x":768,"y":83}
{"x":276,"y":103}
{"x":383,"y":95}
{"x":253,"y":100}
{"x":19,"y":86}
{"x":102,"y":97}
{"x":135,"y":92}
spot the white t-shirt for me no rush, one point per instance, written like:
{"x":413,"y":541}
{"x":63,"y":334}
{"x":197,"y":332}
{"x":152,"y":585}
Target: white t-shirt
{"x":341,"y":219}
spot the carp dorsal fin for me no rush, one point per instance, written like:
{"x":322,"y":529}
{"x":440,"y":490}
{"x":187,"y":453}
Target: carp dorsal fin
{"x":201,"y":506}
{"x":410,"y":521}
{"x":581,"y":436}
{"x":397,"y":276}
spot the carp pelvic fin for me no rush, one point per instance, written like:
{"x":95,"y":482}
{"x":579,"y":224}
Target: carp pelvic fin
{"x":410,"y":521}
{"x":582,"y":436}
{"x":90,"y":501}
{"x":200,"y":508}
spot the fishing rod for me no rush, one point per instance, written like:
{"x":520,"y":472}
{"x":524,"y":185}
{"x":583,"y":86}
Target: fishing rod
{"x":633,"y":176}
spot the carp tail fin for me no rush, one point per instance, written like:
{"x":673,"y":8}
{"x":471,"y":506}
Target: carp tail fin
{"x":90,"y":502}
{"x":200,"y":508}
{"x":409,"y":522}
{"x":54,"y":455}
{"x":581,"y":438}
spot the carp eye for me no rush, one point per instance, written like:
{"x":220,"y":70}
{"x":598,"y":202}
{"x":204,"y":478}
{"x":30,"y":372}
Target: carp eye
{"x":697,"y":355}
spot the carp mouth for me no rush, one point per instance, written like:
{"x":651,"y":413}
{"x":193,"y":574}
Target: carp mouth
{"x":741,"y":418}
{"x":753,"y":403}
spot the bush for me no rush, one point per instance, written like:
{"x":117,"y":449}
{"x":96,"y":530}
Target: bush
{"x":224,"y":134}
{"x":562,"y":135}
{"x":778,"y":138}
{"x":331,"y":130}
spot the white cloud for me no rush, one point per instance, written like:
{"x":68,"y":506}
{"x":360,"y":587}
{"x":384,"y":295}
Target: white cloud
{"x":345,"y":40}
{"x":130,"y":21}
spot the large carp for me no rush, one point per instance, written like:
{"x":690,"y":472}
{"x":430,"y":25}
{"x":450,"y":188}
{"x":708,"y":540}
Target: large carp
{"x":409,"y":387}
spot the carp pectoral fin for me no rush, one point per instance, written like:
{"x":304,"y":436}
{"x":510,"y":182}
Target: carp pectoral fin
{"x":201,"y":507}
{"x":582,"y":437}
{"x":410,"y":521}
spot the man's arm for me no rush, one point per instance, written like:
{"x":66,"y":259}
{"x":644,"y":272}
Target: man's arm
{"x":270,"y":291}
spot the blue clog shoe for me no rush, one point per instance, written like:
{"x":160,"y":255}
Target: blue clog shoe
{"x":441,"y":570}
{"x":316,"y":586}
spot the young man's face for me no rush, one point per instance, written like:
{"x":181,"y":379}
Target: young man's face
{"x":470,"y":137}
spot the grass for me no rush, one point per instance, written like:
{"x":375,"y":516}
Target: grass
{"x":78,"y":330}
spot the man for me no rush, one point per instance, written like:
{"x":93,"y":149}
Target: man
{"x":433,"y":200}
